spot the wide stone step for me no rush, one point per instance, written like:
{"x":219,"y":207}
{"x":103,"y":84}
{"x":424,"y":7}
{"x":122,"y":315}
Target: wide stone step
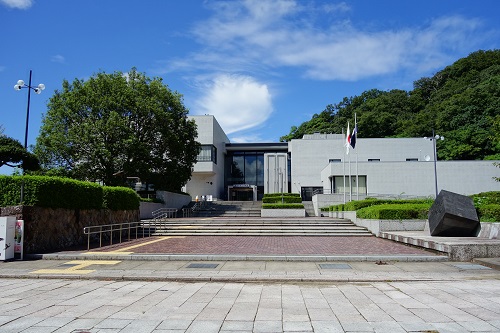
{"x":346,"y":234}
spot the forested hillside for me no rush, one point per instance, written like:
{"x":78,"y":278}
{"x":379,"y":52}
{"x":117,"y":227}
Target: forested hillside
{"x":461,"y":102}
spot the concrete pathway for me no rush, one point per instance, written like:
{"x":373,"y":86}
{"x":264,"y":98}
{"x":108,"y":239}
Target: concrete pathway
{"x":151,"y":296}
{"x":291,"y":285}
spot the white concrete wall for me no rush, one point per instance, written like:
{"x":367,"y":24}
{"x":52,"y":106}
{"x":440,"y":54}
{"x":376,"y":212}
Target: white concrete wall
{"x":310,"y":156}
{"x":207,"y":177}
{"x":417,"y":178}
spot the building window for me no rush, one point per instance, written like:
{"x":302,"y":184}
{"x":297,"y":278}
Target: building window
{"x":374,"y":160}
{"x":412,"y":159}
{"x":334,"y":160}
{"x":208,"y":153}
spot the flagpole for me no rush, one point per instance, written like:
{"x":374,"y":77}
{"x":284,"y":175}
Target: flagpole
{"x":350,"y":179}
{"x":343,"y":166}
{"x":357,"y":173}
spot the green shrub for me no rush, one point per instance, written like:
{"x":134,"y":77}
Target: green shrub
{"x":278,"y":199}
{"x":489,"y":213}
{"x":282,"y":206}
{"x":268,"y":195}
{"x":120,"y":198}
{"x":395,"y":211}
{"x":51,"y":192}
{"x":358,"y":204}
{"x":486,"y":198}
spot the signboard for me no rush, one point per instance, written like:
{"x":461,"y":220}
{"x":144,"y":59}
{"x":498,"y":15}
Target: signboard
{"x":18,"y":239}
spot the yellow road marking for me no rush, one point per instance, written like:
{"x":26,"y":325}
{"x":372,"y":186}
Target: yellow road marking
{"x":77,"y":268}
{"x":125,"y":250}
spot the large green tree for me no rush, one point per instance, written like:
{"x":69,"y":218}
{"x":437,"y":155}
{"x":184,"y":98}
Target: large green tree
{"x":114,"y":126}
{"x":13,"y":154}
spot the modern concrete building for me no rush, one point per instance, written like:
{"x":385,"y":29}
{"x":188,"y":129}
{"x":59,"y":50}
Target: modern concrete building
{"x":318,"y":164}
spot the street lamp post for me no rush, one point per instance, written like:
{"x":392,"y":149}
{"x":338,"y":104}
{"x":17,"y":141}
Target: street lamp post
{"x":433,"y":139}
{"x":38,"y":90}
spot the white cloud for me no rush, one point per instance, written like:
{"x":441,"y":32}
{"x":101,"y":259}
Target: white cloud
{"x":58,"y":58}
{"x":238,"y":102}
{"x":19,"y":4}
{"x":271,"y":34}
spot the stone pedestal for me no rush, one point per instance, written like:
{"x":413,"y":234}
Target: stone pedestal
{"x":453,"y":215}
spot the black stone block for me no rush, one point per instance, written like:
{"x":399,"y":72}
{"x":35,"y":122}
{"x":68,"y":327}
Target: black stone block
{"x":453,"y":215}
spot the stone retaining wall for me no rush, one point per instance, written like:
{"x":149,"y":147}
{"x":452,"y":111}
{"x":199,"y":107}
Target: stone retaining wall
{"x":55,"y":229}
{"x":283,"y":213}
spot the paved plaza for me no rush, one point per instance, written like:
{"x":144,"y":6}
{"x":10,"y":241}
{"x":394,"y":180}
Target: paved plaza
{"x":285,"y":284}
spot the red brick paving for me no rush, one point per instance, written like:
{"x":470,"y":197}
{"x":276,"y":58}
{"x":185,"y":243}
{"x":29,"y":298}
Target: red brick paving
{"x":262,"y":245}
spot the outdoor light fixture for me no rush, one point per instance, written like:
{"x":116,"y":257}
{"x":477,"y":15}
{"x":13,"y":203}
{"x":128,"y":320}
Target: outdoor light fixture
{"x":38,"y":90}
{"x":433,"y":139}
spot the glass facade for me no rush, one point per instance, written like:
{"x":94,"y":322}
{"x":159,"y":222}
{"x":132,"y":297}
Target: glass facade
{"x":246,"y":167}
{"x":208,"y":153}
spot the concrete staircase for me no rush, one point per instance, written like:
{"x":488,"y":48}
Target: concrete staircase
{"x":228,"y":209}
{"x":256,"y":227}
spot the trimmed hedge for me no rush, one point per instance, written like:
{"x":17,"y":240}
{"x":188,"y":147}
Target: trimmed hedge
{"x":50,"y":192}
{"x":120,"y":198}
{"x":282,"y":206}
{"x":268,"y":195}
{"x":395,"y":212}
{"x":58,"y":192}
{"x":486,"y":198}
{"x":286,"y":199}
{"x":489,"y":213}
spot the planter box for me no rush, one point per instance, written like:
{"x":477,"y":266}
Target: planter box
{"x":283,"y":213}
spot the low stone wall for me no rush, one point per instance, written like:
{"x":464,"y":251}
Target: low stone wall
{"x":54,"y":229}
{"x":282,"y":213}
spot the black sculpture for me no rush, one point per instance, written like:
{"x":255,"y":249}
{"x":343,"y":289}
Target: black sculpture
{"x":453,"y":215}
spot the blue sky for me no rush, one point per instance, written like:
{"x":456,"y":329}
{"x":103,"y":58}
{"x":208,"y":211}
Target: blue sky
{"x":259,"y":66}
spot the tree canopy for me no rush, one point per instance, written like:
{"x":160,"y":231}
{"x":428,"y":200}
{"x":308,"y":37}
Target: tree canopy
{"x":13,"y":154}
{"x":114,"y":126}
{"x":460,"y":102}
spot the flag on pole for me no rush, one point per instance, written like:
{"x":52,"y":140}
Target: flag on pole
{"x":347,"y":139}
{"x":352,"y":139}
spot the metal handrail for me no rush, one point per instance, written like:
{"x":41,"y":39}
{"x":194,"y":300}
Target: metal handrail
{"x":105,"y":228}
{"x":164,"y":213}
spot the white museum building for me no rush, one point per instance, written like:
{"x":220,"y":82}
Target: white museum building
{"x":317,"y":165}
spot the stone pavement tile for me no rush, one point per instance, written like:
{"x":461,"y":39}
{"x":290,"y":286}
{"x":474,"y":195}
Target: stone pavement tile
{"x":268,"y":314}
{"x":101,"y":312}
{"x":230,"y":325}
{"x":242,"y":312}
{"x":204,"y":326}
{"x":270,"y":303}
{"x":449,"y":328}
{"x":20,"y":324}
{"x":268,"y":326}
{"x":297,"y":326}
{"x":371,"y":312}
{"x":174,"y":324}
{"x":452,"y":312}
{"x":431,"y":315}
{"x":113,"y":323}
{"x":481,"y":326}
{"x":327,"y":326}
{"x":321,"y":314}
{"x":296,"y":312}
{"x":418,"y":326}
{"x":141,"y":326}
{"x":79,"y":324}
{"x":54,"y":321}
{"x":387,"y":326}
{"x":250,"y":293}
{"x":44,"y":329}
{"x":495,"y":323}
{"x":214,"y":313}
{"x":357,"y":326}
